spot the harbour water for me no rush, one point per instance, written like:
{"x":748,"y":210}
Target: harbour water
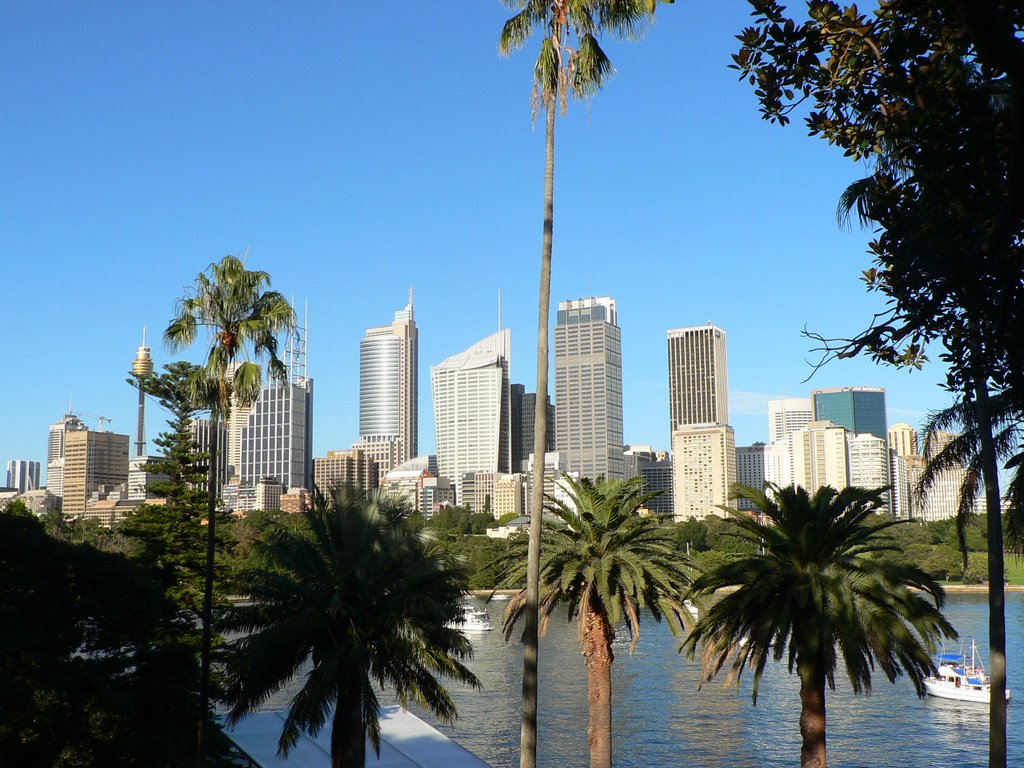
{"x":662,"y":719}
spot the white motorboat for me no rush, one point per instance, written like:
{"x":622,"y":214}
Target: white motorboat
{"x":961,"y":677}
{"x":474,"y":619}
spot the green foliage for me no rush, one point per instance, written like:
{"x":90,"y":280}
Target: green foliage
{"x":505,"y":519}
{"x":230,"y":302}
{"x":452,"y":521}
{"x":723,"y":537}
{"x":606,"y":563}
{"x":17,"y":507}
{"x":977,"y":568}
{"x":692,"y":532}
{"x":170,"y":537}
{"x":87,"y":681}
{"x":920,"y":91}
{"x":605,"y":559}
{"x":943,"y":562}
{"x":364,"y":601}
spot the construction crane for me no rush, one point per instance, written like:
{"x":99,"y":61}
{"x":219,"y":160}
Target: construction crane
{"x":101,"y":420}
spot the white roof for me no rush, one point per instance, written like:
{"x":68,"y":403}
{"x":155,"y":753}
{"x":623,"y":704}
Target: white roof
{"x":405,"y":742}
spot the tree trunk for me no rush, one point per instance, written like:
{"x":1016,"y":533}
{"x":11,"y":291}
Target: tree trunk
{"x":348,"y":735}
{"x":531,"y":642}
{"x":211,"y":542}
{"x":812,"y":718}
{"x":996,"y":591}
{"x":597,"y":652}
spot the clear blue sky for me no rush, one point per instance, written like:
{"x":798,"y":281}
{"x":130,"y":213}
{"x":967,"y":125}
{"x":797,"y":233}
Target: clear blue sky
{"x":359,"y":149}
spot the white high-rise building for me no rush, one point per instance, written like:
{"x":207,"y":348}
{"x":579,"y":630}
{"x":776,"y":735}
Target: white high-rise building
{"x":388,"y":391}
{"x":868,"y":461}
{"x":820,"y":457}
{"x":942,"y":498}
{"x":703,"y":470}
{"x":750,"y":469}
{"x":787,"y":415}
{"x":904,"y":460}
{"x":472,"y":410}
{"x":23,"y":475}
{"x":778,"y":462}
{"x":588,"y":387}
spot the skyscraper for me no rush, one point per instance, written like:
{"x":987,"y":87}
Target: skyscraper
{"x":92,"y":459}
{"x":388,"y":391}
{"x":787,"y":415}
{"x":751,"y":463}
{"x":23,"y":475}
{"x":698,"y":377}
{"x":703,"y":470}
{"x":472,"y":418}
{"x":859,"y":409}
{"x":703,"y":443}
{"x":903,"y":439}
{"x":55,"y":452}
{"x":524,"y":410}
{"x":277,"y":439}
{"x":588,"y":387}
{"x":862,"y":411}
{"x":820,"y":456}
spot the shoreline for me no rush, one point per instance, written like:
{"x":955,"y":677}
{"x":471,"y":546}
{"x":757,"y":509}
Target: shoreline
{"x":964,"y":588}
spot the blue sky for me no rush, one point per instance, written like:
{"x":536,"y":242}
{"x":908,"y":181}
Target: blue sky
{"x":359,"y":149}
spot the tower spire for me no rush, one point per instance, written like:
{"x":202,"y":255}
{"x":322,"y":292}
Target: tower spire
{"x":142,"y":366}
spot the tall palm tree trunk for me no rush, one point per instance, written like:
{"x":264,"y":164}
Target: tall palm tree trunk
{"x":348,"y":736}
{"x":211,"y":542}
{"x":812,"y":717}
{"x":996,"y":591}
{"x":531,"y":642}
{"x":597,"y":653}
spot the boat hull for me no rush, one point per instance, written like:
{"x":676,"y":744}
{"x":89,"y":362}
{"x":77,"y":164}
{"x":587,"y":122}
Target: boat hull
{"x":943,"y":690}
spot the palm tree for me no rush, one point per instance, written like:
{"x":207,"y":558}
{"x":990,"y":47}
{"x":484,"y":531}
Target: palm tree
{"x":819,"y":591}
{"x":990,"y":431}
{"x":230,"y":303}
{"x":605,"y":563}
{"x":352,"y":600}
{"x":952,"y":442}
{"x":559,"y":70}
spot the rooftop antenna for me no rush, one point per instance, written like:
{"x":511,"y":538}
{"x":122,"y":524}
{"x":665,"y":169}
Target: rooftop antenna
{"x":410,"y":298}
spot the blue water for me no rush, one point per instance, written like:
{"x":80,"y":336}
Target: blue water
{"x":661,"y":719}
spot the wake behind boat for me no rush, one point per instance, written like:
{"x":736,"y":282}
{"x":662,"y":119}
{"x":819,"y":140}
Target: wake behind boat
{"x":961,"y":677}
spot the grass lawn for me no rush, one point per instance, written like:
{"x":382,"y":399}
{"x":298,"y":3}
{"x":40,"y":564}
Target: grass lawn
{"x":1014,"y":569}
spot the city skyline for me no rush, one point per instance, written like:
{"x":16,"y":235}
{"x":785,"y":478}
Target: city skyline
{"x":170,"y":164}
{"x":81,"y":420}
